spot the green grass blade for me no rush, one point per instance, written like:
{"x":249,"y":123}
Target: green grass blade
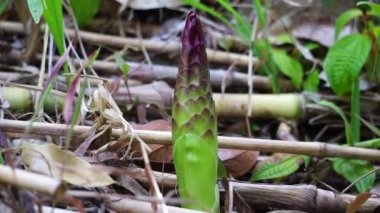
{"x":54,"y":19}
{"x":347,"y":125}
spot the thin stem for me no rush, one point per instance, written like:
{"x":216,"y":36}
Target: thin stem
{"x":355,"y":111}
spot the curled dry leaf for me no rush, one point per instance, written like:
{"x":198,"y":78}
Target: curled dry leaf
{"x":238,"y":162}
{"x":51,"y":160}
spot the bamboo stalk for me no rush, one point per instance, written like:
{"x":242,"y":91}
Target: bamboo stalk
{"x":159,"y":46}
{"x":31,"y":181}
{"x":227,"y":105}
{"x":125,"y":203}
{"x":149,"y":73}
{"x":304,"y":197}
{"x":318,"y":149}
{"x":129,"y":205}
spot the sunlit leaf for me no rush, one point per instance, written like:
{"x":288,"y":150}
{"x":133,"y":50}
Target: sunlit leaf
{"x":51,"y":160}
{"x":311,"y":82}
{"x":123,"y":66}
{"x":353,"y":169}
{"x":344,"y":18}
{"x":54,"y":19}
{"x":375,"y":8}
{"x":36,"y":9}
{"x":344,"y":61}
{"x":337,"y":110}
{"x":373,"y":143}
{"x":290,"y":66}
{"x":286,"y":167}
{"x":85,"y":10}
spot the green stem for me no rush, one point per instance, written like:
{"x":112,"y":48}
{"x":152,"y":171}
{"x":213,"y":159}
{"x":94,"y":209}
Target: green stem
{"x":355,"y":111}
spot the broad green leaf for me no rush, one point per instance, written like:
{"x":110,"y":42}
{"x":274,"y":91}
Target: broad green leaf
{"x":85,"y":10}
{"x":54,"y":19}
{"x":36,"y":9}
{"x":375,"y":8}
{"x":344,"y":18}
{"x":123,"y":66}
{"x":3,"y":5}
{"x":270,"y":170}
{"x":52,"y":160}
{"x":311,"y":82}
{"x":344,"y":61}
{"x":289,"y":66}
{"x":347,"y":125}
{"x":353,"y":169}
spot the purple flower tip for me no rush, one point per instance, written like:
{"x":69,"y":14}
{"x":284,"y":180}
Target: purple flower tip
{"x":192,"y":35}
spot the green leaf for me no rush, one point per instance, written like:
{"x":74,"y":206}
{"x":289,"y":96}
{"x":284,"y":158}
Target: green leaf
{"x":123,"y":66}
{"x":243,"y":28}
{"x":375,"y":8}
{"x":3,"y":5}
{"x":54,"y":19}
{"x":290,"y":66}
{"x":347,"y":125}
{"x":311,"y":82}
{"x":270,"y":170}
{"x":263,"y":50}
{"x":353,"y":169}
{"x":209,"y":10}
{"x":222,"y":171}
{"x":85,"y":10}
{"x":344,"y":18}
{"x":260,"y":13}
{"x":372,"y":127}
{"x":373,"y":143}
{"x":35,"y":9}
{"x":344,"y":61}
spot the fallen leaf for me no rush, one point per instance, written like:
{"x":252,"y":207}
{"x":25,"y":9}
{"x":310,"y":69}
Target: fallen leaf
{"x":359,"y":200}
{"x":159,"y":153}
{"x":238,"y":162}
{"x":51,"y":160}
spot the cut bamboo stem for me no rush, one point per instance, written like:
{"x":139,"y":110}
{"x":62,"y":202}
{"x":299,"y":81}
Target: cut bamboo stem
{"x":31,"y":181}
{"x":226,"y":105}
{"x":318,"y":149}
{"x":306,"y":198}
{"x":158,"y":46}
{"x":129,"y":205}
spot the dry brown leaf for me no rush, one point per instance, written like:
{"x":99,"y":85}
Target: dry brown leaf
{"x":51,"y":160}
{"x":238,"y":162}
{"x":159,"y":153}
{"x":359,"y":200}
